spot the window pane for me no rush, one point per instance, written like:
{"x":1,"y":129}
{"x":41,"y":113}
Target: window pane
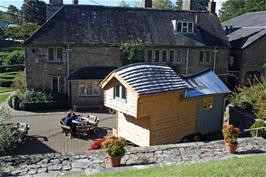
{"x":95,"y":88}
{"x":179,"y":56}
{"x":157,"y":55}
{"x":149,"y":55}
{"x":179,"y":26}
{"x":164,"y":56}
{"x":61,"y":84}
{"x":172,"y":55}
{"x":59,"y":54}
{"x":201,"y":56}
{"x":190,"y":27}
{"x":55,"y":84}
{"x":51,"y":54}
{"x":208,"y":56}
{"x":117,"y":86}
{"x":184,"y":27}
{"x":123,"y":91}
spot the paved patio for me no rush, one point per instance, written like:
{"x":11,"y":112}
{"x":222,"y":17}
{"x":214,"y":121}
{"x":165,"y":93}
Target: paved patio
{"x":46,"y":137}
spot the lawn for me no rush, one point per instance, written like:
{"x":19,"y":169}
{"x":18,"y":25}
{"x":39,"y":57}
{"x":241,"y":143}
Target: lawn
{"x":254,"y":166}
{"x":3,"y":97}
{"x":6,"y":89}
{"x":7,"y":78}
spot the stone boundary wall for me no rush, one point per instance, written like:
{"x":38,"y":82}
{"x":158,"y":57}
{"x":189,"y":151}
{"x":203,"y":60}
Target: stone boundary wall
{"x":54,"y":164}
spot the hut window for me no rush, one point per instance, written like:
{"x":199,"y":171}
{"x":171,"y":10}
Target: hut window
{"x":208,"y":103}
{"x":120,"y":92}
{"x":89,"y":88}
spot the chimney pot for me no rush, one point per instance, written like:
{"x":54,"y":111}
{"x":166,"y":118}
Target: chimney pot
{"x":212,"y":6}
{"x":147,"y":3}
{"x":75,"y":2}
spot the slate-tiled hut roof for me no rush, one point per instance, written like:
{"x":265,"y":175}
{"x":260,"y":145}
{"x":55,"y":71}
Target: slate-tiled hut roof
{"x":91,"y":72}
{"x":204,"y":83}
{"x":150,"y":78}
{"x":245,"y":29}
{"x":101,"y":25}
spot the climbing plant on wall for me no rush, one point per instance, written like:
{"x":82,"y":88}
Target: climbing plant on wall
{"x":132,"y":51}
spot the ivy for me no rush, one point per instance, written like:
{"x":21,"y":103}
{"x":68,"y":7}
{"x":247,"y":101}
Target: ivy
{"x":132,"y":51}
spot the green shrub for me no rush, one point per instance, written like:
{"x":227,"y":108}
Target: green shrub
{"x":14,"y":57}
{"x":114,"y":146}
{"x":37,"y":106}
{"x":252,"y":98}
{"x":261,"y":132}
{"x":19,"y":82}
{"x":9,"y":138}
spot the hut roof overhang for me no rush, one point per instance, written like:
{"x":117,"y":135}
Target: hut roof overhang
{"x":147,"y":78}
{"x":204,"y":83}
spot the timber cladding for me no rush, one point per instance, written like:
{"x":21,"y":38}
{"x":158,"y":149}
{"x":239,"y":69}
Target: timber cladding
{"x":172,"y":117}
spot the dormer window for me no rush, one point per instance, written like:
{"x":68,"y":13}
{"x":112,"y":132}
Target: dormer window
{"x":185,"y":27}
{"x":120,"y":92}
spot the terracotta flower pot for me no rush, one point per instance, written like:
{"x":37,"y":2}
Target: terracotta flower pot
{"x":114,"y":161}
{"x":231,"y":148}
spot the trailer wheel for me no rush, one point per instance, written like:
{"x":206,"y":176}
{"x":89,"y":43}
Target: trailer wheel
{"x":197,"y":138}
{"x":185,"y":140}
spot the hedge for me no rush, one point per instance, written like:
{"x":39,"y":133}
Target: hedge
{"x":38,"y":106}
{"x":5,"y":83}
{"x":11,"y":68}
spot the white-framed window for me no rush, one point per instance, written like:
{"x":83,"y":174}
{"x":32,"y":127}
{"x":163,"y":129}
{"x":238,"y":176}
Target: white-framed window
{"x":205,"y":56}
{"x":164,"y":56}
{"x":179,"y":56}
{"x":89,"y":88}
{"x":149,"y":55}
{"x":185,"y":27}
{"x":119,"y":92}
{"x":157,"y":55}
{"x":55,"y":54}
{"x":58,"y":84}
{"x":172,"y":56}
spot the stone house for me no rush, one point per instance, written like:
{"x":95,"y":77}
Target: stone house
{"x":247,"y":35}
{"x":87,"y":39}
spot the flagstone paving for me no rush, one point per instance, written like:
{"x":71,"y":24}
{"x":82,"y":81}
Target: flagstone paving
{"x":54,"y":164}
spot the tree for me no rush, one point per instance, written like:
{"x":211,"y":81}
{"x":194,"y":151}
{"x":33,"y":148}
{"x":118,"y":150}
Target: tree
{"x":21,"y":32}
{"x":162,"y":4}
{"x":233,"y":8}
{"x":34,"y":11}
{"x":124,"y":4}
{"x":197,"y":4}
{"x":12,"y":13}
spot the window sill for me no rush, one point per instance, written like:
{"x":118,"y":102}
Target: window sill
{"x":89,"y":95}
{"x":55,"y":62}
{"x":205,"y":64}
{"x":120,"y":100}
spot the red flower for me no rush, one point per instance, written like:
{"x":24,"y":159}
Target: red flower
{"x":97,"y":144}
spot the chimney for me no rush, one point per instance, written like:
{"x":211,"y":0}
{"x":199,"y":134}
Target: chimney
{"x":189,"y":5}
{"x":52,"y":7}
{"x":212,"y":6}
{"x":75,"y":2}
{"x":147,"y":3}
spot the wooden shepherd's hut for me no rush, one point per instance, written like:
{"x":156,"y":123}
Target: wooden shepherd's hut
{"x":156,"y":106}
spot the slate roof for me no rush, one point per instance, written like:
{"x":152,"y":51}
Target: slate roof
{"x":92,"y":72}
{"x":101,"y":25}
{"x":204,"y":83}
{"x":245,"y":29}
{"x":149,"y":78}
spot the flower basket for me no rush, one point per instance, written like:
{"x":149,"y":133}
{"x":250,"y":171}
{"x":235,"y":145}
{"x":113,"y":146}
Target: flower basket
{"x":230,"y":134}
{"x":115,"y":148}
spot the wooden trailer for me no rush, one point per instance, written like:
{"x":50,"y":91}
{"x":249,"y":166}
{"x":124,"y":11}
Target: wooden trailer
{"x":153,"y":104}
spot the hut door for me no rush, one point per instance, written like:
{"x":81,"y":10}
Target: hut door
{"x":210,"y":114}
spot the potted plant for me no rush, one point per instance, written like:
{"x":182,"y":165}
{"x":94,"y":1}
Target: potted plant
{"x":230,"y":134}
{"x":115,"y":148}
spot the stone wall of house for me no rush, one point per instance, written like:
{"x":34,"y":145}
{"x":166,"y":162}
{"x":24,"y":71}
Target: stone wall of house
{"x":253,"y":58}
{"x":39,"y":70}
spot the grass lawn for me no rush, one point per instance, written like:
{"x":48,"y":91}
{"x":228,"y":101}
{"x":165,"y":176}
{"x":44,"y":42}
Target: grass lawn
{"x":254,"y":166}
{"x":3,"y":97}
{"x":6,"y":89}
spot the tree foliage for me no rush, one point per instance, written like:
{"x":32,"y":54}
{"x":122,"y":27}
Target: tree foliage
{"x":34,"y":11}
{"x":21,"y":32}
{"x":132,"y":51}
{"x":199,"y":4}
{"x":162,"y":4}
{"x":124,"y":4}
{"x":233,"y":8}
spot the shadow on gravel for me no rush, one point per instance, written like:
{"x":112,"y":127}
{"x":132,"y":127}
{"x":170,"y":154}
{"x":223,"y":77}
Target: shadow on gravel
{"x":255,"y":151}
